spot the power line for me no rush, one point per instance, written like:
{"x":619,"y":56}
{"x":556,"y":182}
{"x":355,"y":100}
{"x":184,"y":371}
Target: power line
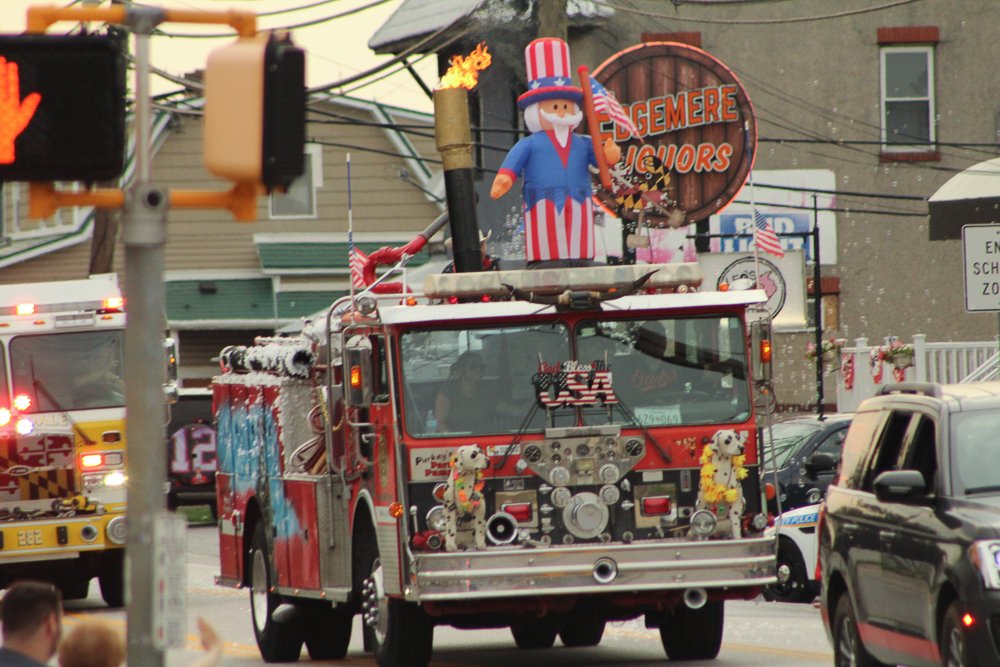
{"x":293,"y":26}
{"x":795,"y":19}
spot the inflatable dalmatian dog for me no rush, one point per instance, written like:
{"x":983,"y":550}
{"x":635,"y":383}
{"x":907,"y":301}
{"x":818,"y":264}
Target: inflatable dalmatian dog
{"x":720,"y":490}
{"x":464,"y":505}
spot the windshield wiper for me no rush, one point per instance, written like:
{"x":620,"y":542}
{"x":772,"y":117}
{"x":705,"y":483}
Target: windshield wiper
{"x":37,"y":384}
{"x":982,"y":489}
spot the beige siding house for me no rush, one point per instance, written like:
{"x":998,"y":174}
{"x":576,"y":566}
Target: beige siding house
{"x":228,"y":281}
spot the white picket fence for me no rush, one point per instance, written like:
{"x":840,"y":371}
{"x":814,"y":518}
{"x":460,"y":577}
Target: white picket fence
{"x":932,"y":362}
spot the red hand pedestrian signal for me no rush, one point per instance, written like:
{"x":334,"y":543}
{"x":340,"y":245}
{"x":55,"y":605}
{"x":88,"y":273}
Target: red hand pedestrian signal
{"x":15,"y":113}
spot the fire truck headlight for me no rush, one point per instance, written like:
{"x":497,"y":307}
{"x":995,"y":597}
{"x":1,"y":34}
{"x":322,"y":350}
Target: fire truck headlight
{"x":25,"y":426}
{"x":115,"y":478}
{"x":703,"y":523}
{"x":436,"y":519}
{"x":116,"y":530}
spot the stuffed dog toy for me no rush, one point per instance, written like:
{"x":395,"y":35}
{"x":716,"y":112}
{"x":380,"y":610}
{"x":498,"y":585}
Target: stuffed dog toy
{"x":721,"y":472}
{"x":464,"y":504}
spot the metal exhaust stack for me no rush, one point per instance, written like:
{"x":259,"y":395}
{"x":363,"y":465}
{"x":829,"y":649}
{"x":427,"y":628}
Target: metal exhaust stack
{"x":454,"y":141}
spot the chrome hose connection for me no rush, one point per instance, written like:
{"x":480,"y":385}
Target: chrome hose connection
{"x":605,"y":570}
{"x":695,"y":598}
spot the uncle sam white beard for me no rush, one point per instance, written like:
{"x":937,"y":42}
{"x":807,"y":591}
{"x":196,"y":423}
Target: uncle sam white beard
{"x":562,"y":125}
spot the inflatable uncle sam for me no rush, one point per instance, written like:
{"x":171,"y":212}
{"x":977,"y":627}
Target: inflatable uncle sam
{"x":554,"y":162}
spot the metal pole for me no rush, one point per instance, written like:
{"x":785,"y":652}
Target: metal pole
{"x":818,"y":312}
{"x":144,"y":223}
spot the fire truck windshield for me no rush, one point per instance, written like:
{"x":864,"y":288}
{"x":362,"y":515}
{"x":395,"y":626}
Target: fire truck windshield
{"x":69,"y":371}
{"x":649,"y":372}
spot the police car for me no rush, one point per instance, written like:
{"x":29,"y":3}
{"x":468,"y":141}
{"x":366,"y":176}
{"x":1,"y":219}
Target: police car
{"x":797,"y":548}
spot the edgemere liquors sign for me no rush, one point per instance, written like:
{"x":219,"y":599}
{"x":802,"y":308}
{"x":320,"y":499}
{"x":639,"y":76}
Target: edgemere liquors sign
{"x":692,"y":114}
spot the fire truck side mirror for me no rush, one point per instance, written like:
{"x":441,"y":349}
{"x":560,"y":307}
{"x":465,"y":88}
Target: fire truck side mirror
{"x":170,"y":357}
{"x":760,"y":350}
{"x":357,"y":376}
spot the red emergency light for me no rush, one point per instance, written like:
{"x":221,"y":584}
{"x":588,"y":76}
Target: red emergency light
{"x":520,"y":511}
{"x":656,"y":505}
{"x":114,"y":304}
{"x":25,"y":309}
{"x":22,"y":402}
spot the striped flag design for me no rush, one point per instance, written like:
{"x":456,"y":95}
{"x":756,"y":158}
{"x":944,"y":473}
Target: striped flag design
{"x":764,"y":236}
{"x":605,"y":102}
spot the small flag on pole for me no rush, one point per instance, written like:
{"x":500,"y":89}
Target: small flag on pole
{"x":605,"y":102}
{"x":764,"y":236}
{"x":358,"y":260}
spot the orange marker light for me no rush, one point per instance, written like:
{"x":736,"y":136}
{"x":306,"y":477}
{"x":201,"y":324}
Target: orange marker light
{"x":769,"y":492}
{"x":396,"y":510}
{"x":968,"y":620}
{"x":355,"y":377}
{"x":25,"y":309}
{"x":114,"y":303}
{"x":91,"y":460}
{"x":765,"y":351}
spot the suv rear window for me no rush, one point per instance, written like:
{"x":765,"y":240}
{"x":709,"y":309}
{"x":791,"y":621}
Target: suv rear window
{"x":859,"y":435}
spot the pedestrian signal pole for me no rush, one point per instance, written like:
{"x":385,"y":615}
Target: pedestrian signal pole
{"x":152,"y":535}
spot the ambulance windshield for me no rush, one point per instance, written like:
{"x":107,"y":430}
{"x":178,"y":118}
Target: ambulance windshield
{"x":69,"y":371}
{"x":522,"y":378}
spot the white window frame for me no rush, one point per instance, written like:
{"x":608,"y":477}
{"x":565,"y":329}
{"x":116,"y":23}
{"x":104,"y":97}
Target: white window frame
{"x":314,"y":159}
{"x":887,"y":147}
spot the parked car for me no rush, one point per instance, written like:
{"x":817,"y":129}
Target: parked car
{"x":191,"y":453}
{"x":796,"y":556}
{"x":909,"y":533}
{"x":805,"y":453}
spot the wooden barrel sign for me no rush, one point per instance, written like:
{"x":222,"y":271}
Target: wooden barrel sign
{"x":697,"y":133}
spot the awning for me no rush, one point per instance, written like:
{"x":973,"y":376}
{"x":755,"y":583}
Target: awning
{"x":971,"y":197}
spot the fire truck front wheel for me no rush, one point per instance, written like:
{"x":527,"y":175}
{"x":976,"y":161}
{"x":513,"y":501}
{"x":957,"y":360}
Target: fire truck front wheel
{"x":536,"y":633}
{"x":277,"y":641}
{"x":692,"y":634}
{"x":111,"y":576}
{"x":400,"y":632}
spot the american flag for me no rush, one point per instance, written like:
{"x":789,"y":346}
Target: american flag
{"x":604,"y":101}
{"x":764,"y":236}
{"x":357,"y":262}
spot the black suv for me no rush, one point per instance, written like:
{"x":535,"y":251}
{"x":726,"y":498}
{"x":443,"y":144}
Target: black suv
{"x":909,"y":537}
{"x":805,"y":453}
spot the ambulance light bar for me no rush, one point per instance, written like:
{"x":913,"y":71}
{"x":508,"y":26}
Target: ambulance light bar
{"x":114,"y":304}
{"x":667,"y":277}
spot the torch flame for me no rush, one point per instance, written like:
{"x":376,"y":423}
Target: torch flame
{"x":464,"y":72}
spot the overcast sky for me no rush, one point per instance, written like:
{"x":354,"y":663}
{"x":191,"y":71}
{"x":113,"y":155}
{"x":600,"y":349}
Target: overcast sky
{"x":335,"y":49}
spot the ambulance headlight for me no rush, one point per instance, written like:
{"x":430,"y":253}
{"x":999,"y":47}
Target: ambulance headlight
{"x":115,"y":478}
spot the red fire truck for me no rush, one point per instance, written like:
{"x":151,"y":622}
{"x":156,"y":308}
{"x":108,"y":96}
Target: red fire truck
{"x":592,"y":393}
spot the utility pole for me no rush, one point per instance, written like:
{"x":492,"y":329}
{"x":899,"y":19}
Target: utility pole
{"x":551,"y":17}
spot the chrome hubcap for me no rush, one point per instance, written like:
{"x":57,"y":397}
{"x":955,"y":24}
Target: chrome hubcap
{"x":258,"y":591}
{"x":374,"y":612}
{"x":847,"y":645}
{"x":956,"y":648}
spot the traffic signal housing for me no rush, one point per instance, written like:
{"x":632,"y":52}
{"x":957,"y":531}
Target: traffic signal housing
{"x":62,"y":108}
{"x":255,"y":107}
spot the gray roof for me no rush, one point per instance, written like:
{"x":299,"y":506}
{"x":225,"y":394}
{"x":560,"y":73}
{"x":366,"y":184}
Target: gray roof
{"x":418,"y":18}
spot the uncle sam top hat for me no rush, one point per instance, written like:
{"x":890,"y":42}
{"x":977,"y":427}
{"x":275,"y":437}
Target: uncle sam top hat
{"x":549,"y":76}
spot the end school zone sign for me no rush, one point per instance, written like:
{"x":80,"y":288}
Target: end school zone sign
{"x":981,"y":259}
